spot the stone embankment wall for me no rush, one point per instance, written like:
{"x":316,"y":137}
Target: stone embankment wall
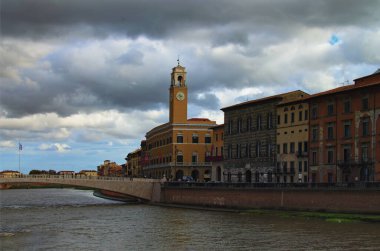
{"x":353,"y":201}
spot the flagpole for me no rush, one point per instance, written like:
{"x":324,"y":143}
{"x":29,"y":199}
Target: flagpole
{"x":19,"y":159}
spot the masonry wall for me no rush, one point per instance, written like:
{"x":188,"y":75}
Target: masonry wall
{"x":358,"y":201}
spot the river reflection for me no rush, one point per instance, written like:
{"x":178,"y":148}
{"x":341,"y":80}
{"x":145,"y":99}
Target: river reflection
{"x":68,"y":219}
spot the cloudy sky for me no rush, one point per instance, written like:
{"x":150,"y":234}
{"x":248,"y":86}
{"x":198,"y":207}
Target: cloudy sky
{"x":82,"y":81}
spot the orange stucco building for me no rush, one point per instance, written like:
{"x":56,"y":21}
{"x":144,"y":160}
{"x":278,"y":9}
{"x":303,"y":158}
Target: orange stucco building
{"x":179,"y":148}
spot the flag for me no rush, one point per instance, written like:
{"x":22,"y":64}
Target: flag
{"x":19,"y":147}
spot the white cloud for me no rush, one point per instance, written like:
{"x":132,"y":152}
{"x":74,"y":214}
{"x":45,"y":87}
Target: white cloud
{"x":7,"y":144}
{"x":55,"y":147}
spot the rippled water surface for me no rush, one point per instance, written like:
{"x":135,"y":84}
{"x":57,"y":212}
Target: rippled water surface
{"x":69,"y":219}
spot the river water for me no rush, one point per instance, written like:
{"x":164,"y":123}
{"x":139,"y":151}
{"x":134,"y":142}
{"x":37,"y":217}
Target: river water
{"x":69,"y":219}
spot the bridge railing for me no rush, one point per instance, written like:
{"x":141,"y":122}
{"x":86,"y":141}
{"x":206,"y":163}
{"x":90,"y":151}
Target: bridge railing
{"x":75,"y":177}
{"x":242,"y":185}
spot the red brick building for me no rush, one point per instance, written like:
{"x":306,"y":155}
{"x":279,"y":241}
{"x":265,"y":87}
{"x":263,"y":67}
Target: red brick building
{"x":344,"y":132}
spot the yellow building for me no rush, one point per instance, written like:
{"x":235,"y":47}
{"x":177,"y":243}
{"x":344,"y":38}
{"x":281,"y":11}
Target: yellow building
{"x":9,"y":174}
{"x":134,"y":168}
{"x":216,"y":157}
{"x":88,"y":173}
{"x":292,"y":141}
{"x":179,"y":148}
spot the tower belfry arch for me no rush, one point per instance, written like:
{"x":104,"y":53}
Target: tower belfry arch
{"x":178,"y":95}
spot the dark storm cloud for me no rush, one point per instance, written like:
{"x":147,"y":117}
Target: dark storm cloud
{"x":46,"y":18}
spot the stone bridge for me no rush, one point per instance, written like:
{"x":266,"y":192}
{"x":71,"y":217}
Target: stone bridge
{"x":144,"y":189}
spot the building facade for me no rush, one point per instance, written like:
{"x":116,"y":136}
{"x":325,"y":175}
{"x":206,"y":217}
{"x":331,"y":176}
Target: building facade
{"x":292,"y":141}
{"x":179,"y":148}
{"x":344,"y":132}
{"x":109,"y":168}
{"x":250,"y":138}
{"x":134,"y":168}
{"x":216,"y":157}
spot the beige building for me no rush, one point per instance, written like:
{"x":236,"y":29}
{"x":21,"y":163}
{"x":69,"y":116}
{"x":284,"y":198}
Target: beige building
{"x":292,"y":141}
{"x":88,"y":173}
{"x":9,"y":174}
{"x":179,"y":148}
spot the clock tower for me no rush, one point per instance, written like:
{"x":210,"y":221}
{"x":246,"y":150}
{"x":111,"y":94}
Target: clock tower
{"x":178,"y":95}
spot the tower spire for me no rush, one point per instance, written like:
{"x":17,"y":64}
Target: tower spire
{"x":178,"y":60}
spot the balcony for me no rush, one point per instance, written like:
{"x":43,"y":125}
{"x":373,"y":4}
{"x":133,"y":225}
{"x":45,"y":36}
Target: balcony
{"x":301,"y":154}
{"x":178,"y":164}
{"x":355,"y":162}
{"x":214,"y":158}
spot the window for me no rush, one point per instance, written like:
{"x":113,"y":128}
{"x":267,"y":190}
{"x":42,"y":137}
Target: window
{"x":292,"y":117}
{"x":249,"y":124}
{"x":230,"y":126}
{"x":292,"y":171}
{"x":239,"y":122}
{"x":330,"y":178}
{"x":300,"y":115}
{"x":306,"y":115}
{"x":195,"y":139}
{"x":216,"y":137}
{"x":285,"y":148}
{"x":179,"y":138}
{"x":194,"y":158}
{"x":347,"y":129}
{"x":278,"y":119}
{"x":314,"y":133}
{"x":365,"y":127}
{"x":269,"y":120}
{"x":364,"y":150}
{"x":346,"y":153}
{"x":179,"y":157}
{"x":314,"y":157}
{"x":286,"y":118}
{"x":365,"y":105}
{"x":305,"y":166}
{"x":258,"y":122}
{"x":207,"y":139}
{"x":305,"y":149}
{"x":284,"y":167}
{"x":299,"y":166}
{"x":330,"y":109}
{"x":330,"y":156}
{"x":246,"y":150}
{"x":347,"y":106}
{"x":314,"y":112}
{"x":330,"y":131}
{"x":299,"y":147}
{"x":238,"y":151}
{"x":269,"y":150}
{"x":258,"y":146}
{"x":216,"y":151}
{"x":278,"y":149}
{"x":292,"y":146}
{"x":229,"y":151}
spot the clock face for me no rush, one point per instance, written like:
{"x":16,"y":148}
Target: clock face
{"x":180,"y":96}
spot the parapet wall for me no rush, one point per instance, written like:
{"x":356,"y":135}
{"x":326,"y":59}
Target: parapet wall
{"x":353,"y":201}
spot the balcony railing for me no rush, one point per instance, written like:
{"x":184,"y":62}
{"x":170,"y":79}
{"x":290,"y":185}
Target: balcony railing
{"x":214,"y":158}
{"x":355,"y":162}
{"x":178,"y":164}
{"x":302,"y":154}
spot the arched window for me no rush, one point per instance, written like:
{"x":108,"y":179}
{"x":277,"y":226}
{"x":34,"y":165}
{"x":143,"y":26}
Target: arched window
{"x":180,"y":80}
